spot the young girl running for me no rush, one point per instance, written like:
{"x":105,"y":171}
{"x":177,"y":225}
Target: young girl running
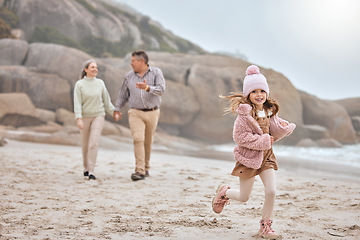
{"x":256,"y":128}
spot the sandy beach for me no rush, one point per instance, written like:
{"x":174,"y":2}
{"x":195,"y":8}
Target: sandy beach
{"x":45,"y":196}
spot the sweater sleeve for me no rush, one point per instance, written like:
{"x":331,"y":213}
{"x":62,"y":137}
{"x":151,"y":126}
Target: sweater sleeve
{"x":109,"y":107}
{"x":245,"y":137}
{"x":77,"y":101}
{"x":277,"y":130}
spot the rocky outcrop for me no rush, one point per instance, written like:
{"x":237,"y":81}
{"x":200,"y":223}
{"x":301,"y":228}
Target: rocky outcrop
{"x":104,"y":20}
{"x":46,"y":90}
{"x":12,"y":52}
{"x":63,"y":61}
{"x":45,"y":115}
{"x":16,"y":109}
{"x":356,"y":123}
{"x":209,"y":76}
{"x":191,"y":106}
{"x":352,"y":105}
{"x":74,"y":19}
{"x":330,"y":115}
{"x":316,"y":132}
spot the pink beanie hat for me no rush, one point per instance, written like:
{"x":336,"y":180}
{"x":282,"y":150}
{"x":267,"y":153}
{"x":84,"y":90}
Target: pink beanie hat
{"x":254,"y":80}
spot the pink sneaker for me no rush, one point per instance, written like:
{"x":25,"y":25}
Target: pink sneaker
{"x":220,"y":199}
{"x":266,"y":231}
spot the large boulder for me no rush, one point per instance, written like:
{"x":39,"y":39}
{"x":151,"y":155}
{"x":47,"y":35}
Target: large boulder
{"x":112,"y":76}
{"x":56,"y":59}
{"x":329,"y":115}
{"x":67,"y":64}
{"x":16,"y":109}
{"x":45,"y":115}
{"x":356,"y":123}
{"x":46,"y":90}
{"x":286,"y":94}
{"x":71,"y":18}
{"x":328,"y":143}
{"x":209,"y":76}
{"x":49,"y":127}
{"x":306,"y":142}
{"x":12,"y":51}
{"x":179,"y":104}
{"x":104,"y":19}
{"x":316,"y":132}
{"x":352,"y":105}
{"x":210,"y":124}
{"x":65,"y":117}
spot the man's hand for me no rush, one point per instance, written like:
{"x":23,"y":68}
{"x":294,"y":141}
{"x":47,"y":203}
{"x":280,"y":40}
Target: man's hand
{"x":142,"y":85}
{"x":117,"y":116}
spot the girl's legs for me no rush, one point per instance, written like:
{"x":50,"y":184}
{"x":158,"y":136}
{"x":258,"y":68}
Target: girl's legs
{"x":224,"y":193}
{"x":242,"y":195}
{"x":268,"y":179}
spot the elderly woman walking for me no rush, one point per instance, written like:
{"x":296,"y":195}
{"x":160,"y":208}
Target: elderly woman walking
{"x":91,"y":101}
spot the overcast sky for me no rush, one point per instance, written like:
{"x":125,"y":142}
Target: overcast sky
{"x":314,"y":43}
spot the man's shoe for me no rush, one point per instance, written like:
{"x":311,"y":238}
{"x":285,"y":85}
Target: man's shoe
{"x":137,"y":176}
{"x":147,"y":174}
{"x":86,"y":174}
{"x":91,"y":176}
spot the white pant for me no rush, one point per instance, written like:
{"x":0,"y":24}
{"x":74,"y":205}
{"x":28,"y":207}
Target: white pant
{"x":246,"y":186}
{"x":90,"y":141}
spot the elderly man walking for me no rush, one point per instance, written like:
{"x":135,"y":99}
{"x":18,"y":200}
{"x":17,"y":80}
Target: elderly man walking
{"x":142,"y":88}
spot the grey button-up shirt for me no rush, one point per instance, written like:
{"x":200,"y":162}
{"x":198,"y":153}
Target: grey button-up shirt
{"x":139,"y":98}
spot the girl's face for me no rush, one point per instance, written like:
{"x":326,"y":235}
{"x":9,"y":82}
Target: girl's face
{"x":92,"y":70}
{"x":258,"y":97}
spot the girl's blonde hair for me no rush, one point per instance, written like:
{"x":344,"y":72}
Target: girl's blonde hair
{"x":235,"y":99}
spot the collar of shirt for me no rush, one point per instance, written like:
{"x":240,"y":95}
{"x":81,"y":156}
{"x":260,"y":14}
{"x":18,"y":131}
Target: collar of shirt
{"x":146,"y":72}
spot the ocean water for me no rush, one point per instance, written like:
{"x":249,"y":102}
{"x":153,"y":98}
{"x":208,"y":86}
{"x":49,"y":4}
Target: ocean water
{"x":348,"y":155}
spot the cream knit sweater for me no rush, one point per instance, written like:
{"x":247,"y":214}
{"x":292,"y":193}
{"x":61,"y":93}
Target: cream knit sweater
{"x":91,"y":98}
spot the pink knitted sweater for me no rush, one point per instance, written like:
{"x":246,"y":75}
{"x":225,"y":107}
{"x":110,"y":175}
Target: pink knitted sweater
{"x":250,"y":139}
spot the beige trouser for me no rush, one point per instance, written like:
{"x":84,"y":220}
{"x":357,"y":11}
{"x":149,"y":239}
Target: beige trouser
{"x":142,"y":126}
{"x":246,"y":186}
{"x":90,"y":141}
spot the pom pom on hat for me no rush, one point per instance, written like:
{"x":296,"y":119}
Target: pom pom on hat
{"x":254,"y":80}
{"x":252,"y":70}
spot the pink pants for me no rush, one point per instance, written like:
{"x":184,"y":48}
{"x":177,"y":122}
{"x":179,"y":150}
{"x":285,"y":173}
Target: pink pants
{"x":90,"y":141}
{"x":246,"y":186}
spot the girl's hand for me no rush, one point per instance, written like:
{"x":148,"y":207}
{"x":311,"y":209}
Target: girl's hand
{"x":272,"y":140}
{"x":284,"y":124}
{"x":80,"y":123}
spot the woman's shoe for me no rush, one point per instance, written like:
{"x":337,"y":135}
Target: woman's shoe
{"x":91,"y":176}
{"x":86,"y":174}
